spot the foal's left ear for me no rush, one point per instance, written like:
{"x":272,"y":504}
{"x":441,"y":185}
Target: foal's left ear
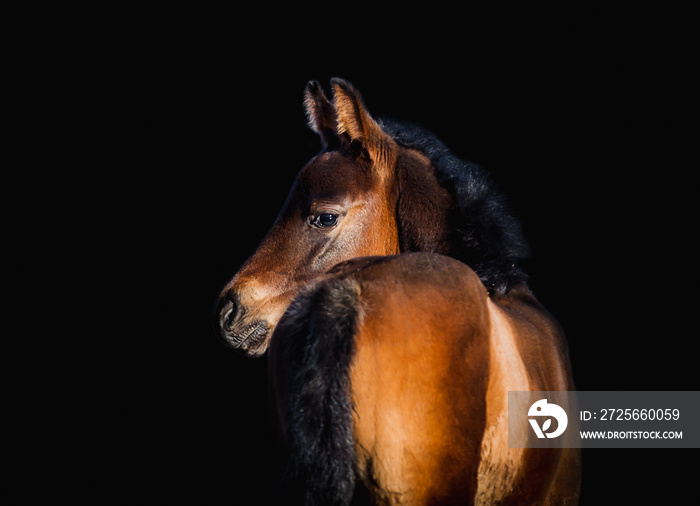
{"x":320,"y":112}
{"x":355,"y":121}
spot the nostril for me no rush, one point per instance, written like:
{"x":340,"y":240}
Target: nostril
{"x":228,"y":310}
{"x":229,"y":317}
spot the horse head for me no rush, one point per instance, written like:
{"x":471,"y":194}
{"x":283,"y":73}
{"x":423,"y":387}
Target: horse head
{"x":342,"y":205}
{"x":376,"y":188}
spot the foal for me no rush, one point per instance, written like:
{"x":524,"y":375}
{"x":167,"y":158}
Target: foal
{"x":390,"y":374}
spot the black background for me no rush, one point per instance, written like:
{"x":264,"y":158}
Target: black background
{"x":172,"y":138}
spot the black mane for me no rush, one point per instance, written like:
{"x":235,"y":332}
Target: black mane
{"x":485,"y":235}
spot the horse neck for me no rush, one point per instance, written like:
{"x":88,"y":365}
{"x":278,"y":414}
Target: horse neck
{"x":422,"y":210}
{"x":474,"y":228}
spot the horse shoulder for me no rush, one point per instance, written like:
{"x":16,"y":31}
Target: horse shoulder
{"x":499,"y":465}
{"x":539,"y":339}
{"x":527,"y":353}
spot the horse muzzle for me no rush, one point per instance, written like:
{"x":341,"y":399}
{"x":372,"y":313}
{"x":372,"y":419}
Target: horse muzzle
{"x":236,"y":329}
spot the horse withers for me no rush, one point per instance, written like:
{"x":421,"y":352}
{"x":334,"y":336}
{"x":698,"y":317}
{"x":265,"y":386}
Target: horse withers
{"x":410,"y":322}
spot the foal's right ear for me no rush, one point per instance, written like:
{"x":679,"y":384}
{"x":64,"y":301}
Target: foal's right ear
{"x":320,"y":112}
{"x":355,"y":121}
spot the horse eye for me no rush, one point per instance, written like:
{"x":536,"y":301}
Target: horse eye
{"x":325,"y":220}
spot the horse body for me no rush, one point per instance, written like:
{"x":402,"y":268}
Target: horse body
{"x":432,"y":360}
{"x":389,"y":374}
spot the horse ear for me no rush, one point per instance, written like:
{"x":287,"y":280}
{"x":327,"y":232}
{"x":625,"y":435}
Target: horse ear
{"x":354,"y":120}
{"x":320,"y":112}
